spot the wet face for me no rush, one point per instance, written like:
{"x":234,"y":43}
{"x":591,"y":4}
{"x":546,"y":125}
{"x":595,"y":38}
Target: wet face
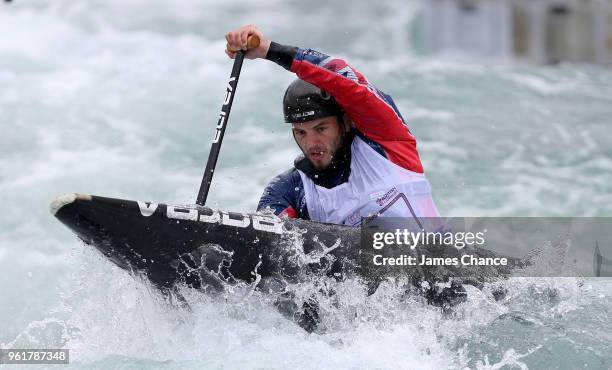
{"x":319,"y":139}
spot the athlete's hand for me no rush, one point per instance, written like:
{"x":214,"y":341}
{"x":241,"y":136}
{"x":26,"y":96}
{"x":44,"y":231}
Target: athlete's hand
{"x":237,"y":40}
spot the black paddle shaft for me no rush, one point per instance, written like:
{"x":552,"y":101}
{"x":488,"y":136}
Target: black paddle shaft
{"x":220,"y":129}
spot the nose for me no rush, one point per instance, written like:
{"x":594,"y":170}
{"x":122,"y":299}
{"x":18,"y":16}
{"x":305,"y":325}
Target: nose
{"x":312,"y":141}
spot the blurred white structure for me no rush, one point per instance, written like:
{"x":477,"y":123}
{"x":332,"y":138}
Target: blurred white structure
{"x":542,"y":31}
{"x":480,"y":27}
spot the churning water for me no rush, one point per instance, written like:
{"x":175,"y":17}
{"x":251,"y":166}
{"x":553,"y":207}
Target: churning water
{"x":120,"y":98}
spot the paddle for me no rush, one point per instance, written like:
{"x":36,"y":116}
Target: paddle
{"x":252,"y":42}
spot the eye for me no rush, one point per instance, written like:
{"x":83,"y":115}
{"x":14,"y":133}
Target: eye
{"x":298,"y":132}
{"x":321,"y":129}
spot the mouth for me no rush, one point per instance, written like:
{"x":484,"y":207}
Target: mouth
{"x":316,"y":154}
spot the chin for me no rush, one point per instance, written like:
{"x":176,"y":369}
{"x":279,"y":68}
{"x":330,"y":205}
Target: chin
{"x":321,"y":167}
{"x":320,"y":164}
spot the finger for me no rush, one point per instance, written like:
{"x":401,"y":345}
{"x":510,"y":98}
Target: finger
{"x":230,"y":54}
{"x":231,"y":40}
{"x":243,"y":40}
{"x":228,"y":39}
{"x":252,"y":31}
{"x":237,"y":44}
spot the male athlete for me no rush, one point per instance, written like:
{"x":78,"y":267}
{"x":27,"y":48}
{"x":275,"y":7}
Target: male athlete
{"x":359,"y":158}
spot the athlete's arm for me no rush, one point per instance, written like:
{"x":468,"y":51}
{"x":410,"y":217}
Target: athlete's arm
{"x":285,"y":196}
{"x":373,"y":112}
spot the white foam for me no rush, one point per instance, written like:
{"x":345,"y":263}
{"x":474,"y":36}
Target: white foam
{"x":120,"y":98}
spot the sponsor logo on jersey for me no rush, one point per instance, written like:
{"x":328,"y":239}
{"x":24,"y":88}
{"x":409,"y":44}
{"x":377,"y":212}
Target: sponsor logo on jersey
{"x":385,"y":198}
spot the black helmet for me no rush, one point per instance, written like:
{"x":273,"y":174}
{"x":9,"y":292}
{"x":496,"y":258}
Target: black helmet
{"x":305,"y":102}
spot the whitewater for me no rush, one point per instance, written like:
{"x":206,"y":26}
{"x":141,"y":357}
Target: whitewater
{"x":121,"y":98}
